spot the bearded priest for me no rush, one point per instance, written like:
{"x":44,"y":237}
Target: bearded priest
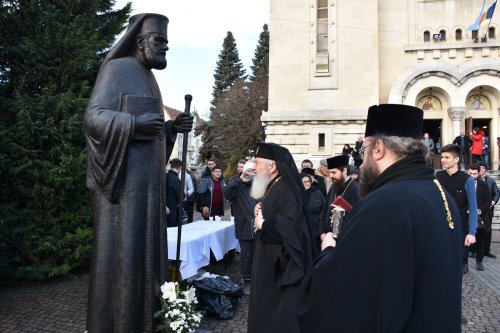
{"x":283,"y":243}
{"x":397,"y":266}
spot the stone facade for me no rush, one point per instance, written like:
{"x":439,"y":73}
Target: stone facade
{"x":331,"y":59}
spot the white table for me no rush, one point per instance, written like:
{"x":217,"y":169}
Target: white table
{"x":198,"y":238}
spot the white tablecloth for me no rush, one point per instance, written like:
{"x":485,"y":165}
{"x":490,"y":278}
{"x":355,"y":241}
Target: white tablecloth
{"x":197,"y":240}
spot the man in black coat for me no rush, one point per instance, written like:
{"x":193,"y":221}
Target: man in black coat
{"x":465,"y":143}
{"x":397,"y":266}
{"x":342,"y":186}
{"x":483,"y":197}
{"x":172,"y":192}
{"x":238,"y":193}
{"x":495,"y":192}
{"x":462,"y":189}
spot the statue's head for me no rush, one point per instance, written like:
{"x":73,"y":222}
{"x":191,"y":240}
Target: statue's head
{"x":151,"y":43}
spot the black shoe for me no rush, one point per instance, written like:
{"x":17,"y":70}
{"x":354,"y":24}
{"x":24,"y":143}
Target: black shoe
{"x":479,"y":266}
{"x":490,"y":255}
{"x":472,"y":255}
{"x":465,"y":268}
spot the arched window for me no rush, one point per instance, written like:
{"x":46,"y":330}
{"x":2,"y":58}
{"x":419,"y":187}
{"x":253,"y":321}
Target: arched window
{"x":491,"y":32}
{"x":443,"y":34}
{"x":474,"y":36}
{"x":427,"y":36}
{"x":458,"y":34}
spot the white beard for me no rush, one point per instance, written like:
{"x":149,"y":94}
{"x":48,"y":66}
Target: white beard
{"x":259,"y":186}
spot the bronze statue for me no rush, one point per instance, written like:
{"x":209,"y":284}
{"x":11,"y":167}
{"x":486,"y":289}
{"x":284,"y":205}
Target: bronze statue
{"x":128,"y":144}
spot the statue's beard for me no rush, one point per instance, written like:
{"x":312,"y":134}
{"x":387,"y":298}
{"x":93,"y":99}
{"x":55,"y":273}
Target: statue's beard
{"x":259,"y":186}
{"x":368,"y":176}
{"x":150,"y":59}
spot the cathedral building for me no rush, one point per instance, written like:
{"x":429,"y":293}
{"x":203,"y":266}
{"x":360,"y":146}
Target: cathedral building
{"x":332,"y":59}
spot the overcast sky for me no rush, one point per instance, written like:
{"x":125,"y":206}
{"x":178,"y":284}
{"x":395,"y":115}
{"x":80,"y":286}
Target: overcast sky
{"x":196,"y":31}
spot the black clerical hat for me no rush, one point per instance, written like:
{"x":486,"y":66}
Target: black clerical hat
{"x":337,"y":162}
{"x":272,"y":151}
{"x":394,"y":120}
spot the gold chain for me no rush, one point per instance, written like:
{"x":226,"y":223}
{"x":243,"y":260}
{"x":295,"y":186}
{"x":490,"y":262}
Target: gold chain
{"x":448,"y":213}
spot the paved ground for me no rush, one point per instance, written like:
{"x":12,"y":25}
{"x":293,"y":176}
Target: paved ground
{"x":60,"y":305}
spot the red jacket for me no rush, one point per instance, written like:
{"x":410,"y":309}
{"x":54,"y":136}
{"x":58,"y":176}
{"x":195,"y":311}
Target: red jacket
{"x":477,"y":143}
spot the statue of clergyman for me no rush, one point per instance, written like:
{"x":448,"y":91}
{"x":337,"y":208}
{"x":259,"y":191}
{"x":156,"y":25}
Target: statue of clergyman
{"x":128,"y":145}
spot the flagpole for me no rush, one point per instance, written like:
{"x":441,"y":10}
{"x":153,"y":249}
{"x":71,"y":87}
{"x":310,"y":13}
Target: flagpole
{"x":491,"y":18}
{"x":488,"y":28}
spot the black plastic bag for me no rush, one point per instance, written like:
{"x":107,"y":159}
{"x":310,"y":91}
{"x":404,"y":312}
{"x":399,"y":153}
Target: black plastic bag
{"x":218,"y":296}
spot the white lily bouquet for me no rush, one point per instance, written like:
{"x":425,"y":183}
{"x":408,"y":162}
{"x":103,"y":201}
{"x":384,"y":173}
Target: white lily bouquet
{"x":178,"y":309}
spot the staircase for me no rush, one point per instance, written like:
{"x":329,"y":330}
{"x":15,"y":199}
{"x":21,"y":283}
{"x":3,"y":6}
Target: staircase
{"x":496,"y":216}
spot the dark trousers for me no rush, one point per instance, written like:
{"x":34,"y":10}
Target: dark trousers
{"x":476,"y":159}
{"x":464,"y":157}
{"x":465,"y":259}
{"x":480,"y":245}
{"x":189,"y":208}
{"x":487,"y":242}
{"x":216,"y":212}
{"x":246,"y":257}
{"x":172,"y":217}
{"x":487,"y":232}
{"x":466,"y":249}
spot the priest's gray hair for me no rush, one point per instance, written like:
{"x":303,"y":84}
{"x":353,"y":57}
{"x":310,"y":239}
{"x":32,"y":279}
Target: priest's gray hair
{"x":403,"y":146}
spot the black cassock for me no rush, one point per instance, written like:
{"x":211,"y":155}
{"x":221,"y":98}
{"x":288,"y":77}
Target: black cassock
{"x":282,"y":253}
{"x":350,"y":194}
{"x":397,"y":266}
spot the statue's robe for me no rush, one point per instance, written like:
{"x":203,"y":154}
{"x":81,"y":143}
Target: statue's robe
{"x":126,"y":178}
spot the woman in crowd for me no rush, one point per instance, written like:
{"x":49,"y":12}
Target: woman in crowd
{"x":317,"y":204}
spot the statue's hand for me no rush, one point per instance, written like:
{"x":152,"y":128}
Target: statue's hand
{"x":183,"y":123}
{"x":149,"y":123}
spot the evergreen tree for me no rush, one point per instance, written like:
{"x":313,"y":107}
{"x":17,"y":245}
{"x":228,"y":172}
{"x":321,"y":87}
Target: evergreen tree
{"x":229,"y":68}
{"x":260,"y":67}
{"x":50,"y":55}
{"x":235,"y":129}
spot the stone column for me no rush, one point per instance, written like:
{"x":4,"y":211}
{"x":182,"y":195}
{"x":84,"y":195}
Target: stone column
{"x":456,"y":113}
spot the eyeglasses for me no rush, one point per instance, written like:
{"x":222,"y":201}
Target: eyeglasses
{"x":362,"y":149}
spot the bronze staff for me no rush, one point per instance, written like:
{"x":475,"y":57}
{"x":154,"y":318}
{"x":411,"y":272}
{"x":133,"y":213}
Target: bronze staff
{"x":188,"y":99}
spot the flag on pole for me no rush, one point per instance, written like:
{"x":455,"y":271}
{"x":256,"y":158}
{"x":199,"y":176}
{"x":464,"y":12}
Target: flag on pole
{"x":485,"y":21}
{"x":475,"y":25}
{"x":489,"y":14}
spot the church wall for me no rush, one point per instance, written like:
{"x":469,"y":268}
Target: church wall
{"x":377,"y":55}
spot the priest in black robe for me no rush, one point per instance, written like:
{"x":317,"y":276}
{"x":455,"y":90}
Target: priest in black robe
{"x":128,"y":143}
{"x":343,"y":185}
{"x":397,"y":266}
{"x":283,"y":244}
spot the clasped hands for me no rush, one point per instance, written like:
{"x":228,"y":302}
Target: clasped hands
{"x":259,"y":219}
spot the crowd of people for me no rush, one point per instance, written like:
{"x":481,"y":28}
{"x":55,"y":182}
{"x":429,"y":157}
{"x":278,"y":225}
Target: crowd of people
{"x":475,"y":147}
{"x":401,"y":243}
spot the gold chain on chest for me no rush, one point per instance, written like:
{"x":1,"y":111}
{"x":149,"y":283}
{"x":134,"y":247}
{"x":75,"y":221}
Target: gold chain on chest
{"x":445,"y":201}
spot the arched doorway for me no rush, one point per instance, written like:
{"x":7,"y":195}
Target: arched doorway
{"x":433,"y":127}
